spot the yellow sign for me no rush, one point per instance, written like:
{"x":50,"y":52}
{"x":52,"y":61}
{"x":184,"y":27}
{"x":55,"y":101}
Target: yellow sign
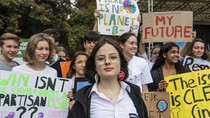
{"x":190,"y":94}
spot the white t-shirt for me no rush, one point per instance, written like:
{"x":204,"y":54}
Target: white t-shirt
{"x":48,"y":71}
{"x":139,"y":72}
{"x":150,"y":63}
{"x":102,"y":107}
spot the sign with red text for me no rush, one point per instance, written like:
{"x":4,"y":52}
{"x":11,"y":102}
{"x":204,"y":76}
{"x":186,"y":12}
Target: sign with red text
{"x":189,"y":94}
{"x":167,"y":26}
{"x":195,"y":64}
{"x":117,"y":16}
{"x":31,"y":96}
{"x":157,"y":103}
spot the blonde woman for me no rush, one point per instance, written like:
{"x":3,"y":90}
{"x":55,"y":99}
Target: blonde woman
{"x":39,"y":49}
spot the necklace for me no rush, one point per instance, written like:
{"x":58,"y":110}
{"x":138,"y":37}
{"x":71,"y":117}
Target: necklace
{"x":111,"y":98}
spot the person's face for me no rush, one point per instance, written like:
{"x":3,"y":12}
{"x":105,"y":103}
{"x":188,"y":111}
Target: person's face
{"x":9,"y":49}
{"x":130,"y":46}
{"x":198,"y":49}
{"x":172,"y":56}
{"x":155,"y":54}
{"x":79,"y":65}
{"x":62,"y":55}
{"x":42,"y":51}
{"x":89,"y":45}
{"x":107,"y":62}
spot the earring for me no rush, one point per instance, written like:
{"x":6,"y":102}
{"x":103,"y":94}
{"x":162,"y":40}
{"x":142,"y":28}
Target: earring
{"x":121,"y":75}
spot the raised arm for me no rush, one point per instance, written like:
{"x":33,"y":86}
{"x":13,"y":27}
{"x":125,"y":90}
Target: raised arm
{"x":96,"y":15}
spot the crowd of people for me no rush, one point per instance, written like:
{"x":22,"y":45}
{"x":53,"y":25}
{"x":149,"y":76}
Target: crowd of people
{"x":116,"y":72}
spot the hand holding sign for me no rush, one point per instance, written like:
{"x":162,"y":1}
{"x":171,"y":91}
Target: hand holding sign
{"x":96,"y":14}
{"x":162,"y":85}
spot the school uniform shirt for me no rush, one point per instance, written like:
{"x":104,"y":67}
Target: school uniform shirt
{"x":139,"y":72}
{"x":123,"y":108}
{"x":92,"y":104}
{"x":48,"y":71}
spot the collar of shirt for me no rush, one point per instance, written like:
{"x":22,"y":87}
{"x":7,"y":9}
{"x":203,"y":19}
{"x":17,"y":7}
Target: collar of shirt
{"x":124,"y":86}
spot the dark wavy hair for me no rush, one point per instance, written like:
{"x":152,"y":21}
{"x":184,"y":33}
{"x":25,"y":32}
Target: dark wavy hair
{"x":91,"y":36}
{"x":90,"y":70}
{"x":53,"y":33}
{"x":72,"y":71}
{"x":205,"y":55}
{"x":161,"y":60}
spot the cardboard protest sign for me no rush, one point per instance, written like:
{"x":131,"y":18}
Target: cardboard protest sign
{"x":117,"y":16}
{"x":31,"y":96}
{"x":167,"y":26}
{"x":195,"y":64}
{"x":189,"y":94}
{"x":157,"y":103}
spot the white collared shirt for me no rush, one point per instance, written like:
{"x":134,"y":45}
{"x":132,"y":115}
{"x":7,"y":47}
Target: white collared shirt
{"x":102,"y":107}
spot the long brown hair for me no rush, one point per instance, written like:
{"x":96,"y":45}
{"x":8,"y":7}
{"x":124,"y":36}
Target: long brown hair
{"x":72,"y":71}
{"x":205,"y":55}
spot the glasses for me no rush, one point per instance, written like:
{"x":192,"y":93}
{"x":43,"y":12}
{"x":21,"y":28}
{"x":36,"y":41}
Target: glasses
{"x":101,"y":59}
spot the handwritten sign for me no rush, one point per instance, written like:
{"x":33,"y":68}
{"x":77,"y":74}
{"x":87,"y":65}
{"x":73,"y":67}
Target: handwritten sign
{"x":157,"y":103}
{"x":195,"y":64}
{"x":30,"y":96}
{"x":190,"y":94}
{"x":167,"y":26}
{"x":117,"y":16}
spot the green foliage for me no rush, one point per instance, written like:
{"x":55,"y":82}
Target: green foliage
{"x":27,"y":17}
{"x":81,"y":20}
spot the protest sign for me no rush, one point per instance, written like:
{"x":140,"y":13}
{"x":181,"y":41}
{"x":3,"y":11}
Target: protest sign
{"x":189,"y":94}
{"x":117,"y":16}
{"x":31,"y":96}
{"x":167,"y":26}
{"x":65,"y":66}
{"x":157,"y":103}
{"x":22,"y":47}
{"x":195,"y":64}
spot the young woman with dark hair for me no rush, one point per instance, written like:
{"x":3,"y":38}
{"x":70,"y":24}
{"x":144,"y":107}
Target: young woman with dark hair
{"x":108,"y":96}
{"x":166,"y":64}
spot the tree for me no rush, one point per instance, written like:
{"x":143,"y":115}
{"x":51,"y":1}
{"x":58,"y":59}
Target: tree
{"x":27,"y":17}
{"x":81,"y":20}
